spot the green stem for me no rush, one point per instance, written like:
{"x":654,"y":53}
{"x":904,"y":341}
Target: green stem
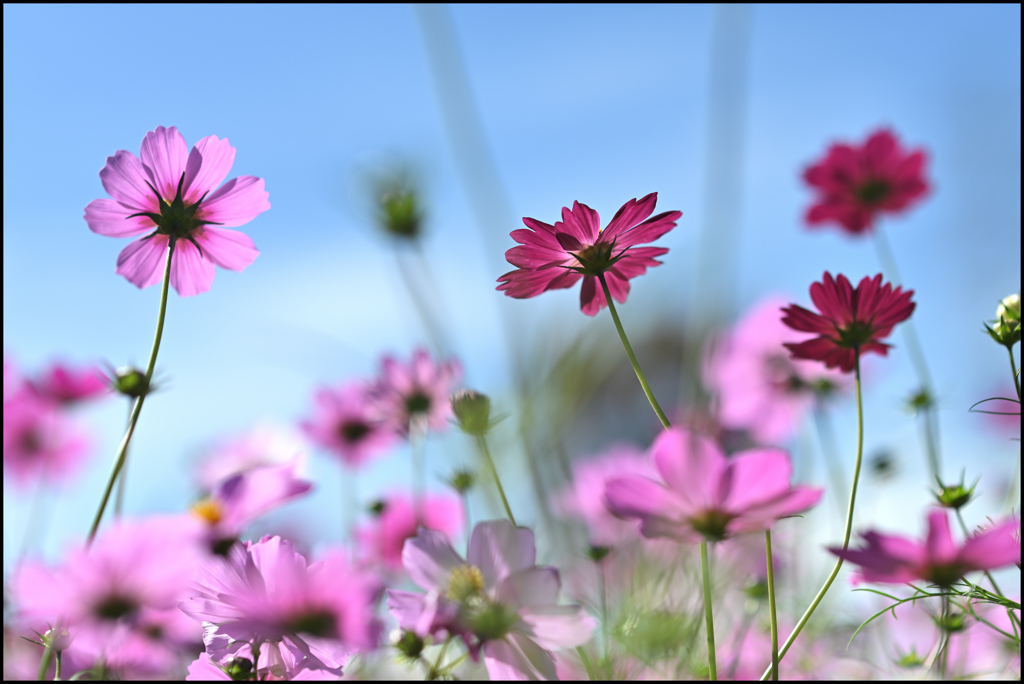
{"x":417,"y":434}
{"x":988,"y":575}
{"x":56,"y":670}
{"x":123,"y":477}
{"x":944,"y":647}
{"x":586,"y":663}
{"x":482,"y":442}
{"x":631,"y":355}
{"x":771,"y":605}
{"x":828,"y":449}
{"x":255,"y":661}
{"x":1013,"y":369}
{"x":44,"y":663}
{"x":849,"y":524}
{"x":122,"y":450}
{"x":435,"y":669}
{"x":705,"y":576}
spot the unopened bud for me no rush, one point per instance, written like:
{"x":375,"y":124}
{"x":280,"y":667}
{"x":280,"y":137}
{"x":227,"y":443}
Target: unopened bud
{"x":598,"y":553}
{"x":472,"y":411}
{"x":951,"y":623}
{"x":409,"y":644}
{"x":462,"y":481}
{"x":130,"y":382}
{"x":1006,"y":328}
{"x":398,"y":206}
{"x":376,"y":508}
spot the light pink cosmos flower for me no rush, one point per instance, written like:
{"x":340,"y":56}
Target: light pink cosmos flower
{"x":67,"y":385}
{"x":104,"y":593}
{"x":40,"y":441}
{"x":856,"y":184}
{"x":264,"y":592}
{"x":584,"y":496}
{"x":893,"y":559}
{"x":345,"y":423}
{"x":497,"y":600}
{"x":758,"y":387}
{"x":382,"y":539}
{"x":556,"y":257}
{"x":171,"y":194}
{"x":706,"y":495}
{"x":264,"y":445}
{"x":419,"y":391}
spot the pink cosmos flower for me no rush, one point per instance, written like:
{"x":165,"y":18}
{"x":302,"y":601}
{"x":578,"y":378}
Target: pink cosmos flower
{"x":246,"y":496}
{"x":105,"y":592}
{"x":706,"y":495}
{"x":856,"y":184}
{"x":894,"y":559}
{"x":39,"y":440}
{"x":556,"y":257}
{"x":344,"y":422}
{"x":419,"y":390}
{"x":264,"y":592}
{"x":262,"y":446}
{"x":497,"y":600}
{"x":66,"y":385}
{"x":382,"y":539}
{"x":851,"y":320}
{"x":170,"y":193}
{"x":584,"y":496}
{"x":759,"y":388}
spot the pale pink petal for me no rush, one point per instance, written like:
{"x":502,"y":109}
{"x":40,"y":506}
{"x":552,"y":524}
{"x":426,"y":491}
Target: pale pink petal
{"x":228,"y":249}
{"x":191,"y":274}
{"x":429,"y":559}
{"x":110,"y":218}
{"x":529,"y":587}
{"x":124,"y":178}
{"x":237,"y":202}
{"x":558,"y":626}
{"x":517,"y":658}
{"x":142,"y":261}
{"x":692,"y":465}
{"x":758,"y":476}
{"x":217,"y":158}
{"x":500,"y":549}
{"x":761,"y":516}
{"x":165,"y":154}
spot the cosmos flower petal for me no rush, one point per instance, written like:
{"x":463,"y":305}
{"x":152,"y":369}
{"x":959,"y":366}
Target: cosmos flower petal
{"x":993,"y":548}
{"x":124,"y":178}
{"x":142,"y":261}
{"x":517,"y":658}
{"x":191,"y":274}
{"x":238,"y":201}
{"x":529,"y":587}
{"x":429,"y":559}
{"x":558,"y":626}
{"x":629,"y":215}
{"x":217,"y":156}
{"x":164,"y":155}
{"x":110,"y":218}
{"x":228,"y":249}
{"x":499,"y":549}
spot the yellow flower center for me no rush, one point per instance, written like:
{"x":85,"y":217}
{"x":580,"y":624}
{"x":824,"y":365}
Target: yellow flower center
{"x":465,"y":582}
{"x":209,"y":510}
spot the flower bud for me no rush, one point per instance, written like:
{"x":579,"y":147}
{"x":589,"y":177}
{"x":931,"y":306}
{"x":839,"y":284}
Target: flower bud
{"x":954,"y":496}
{"x":409,"y":644}
{"x":239,"y":669}
{"x":472,"y":411}
{"x":398,"y":206}
{"x":462,"y":480}
{"x":1006,"y":328}
{"x":130,"y":382}
{"x":951,"y":623}
{"x":598,"y":553}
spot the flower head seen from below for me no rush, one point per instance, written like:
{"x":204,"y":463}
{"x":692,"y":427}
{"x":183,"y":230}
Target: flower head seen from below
{"x":414,"y":392}
{"x":381,"y":539}
{"x":266,"y":444}
{"x":705,"y":495}
{"x":497,"y":600}
{"x":555,"y":257}
{"x":40,"y":441}
{"x":856,"y":184}
{"x":68,"y":385}
{"x":758,"y":387}
{"x":344,"y":422}
{"x":893,"y":559}
{"x":171,"y":195}
{"x":851,"y":322}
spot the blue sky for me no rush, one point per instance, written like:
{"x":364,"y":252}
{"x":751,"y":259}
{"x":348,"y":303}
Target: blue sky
{"x":598,"y":104}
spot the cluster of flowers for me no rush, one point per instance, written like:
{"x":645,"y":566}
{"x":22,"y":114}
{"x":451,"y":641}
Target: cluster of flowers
{"x":145,"y":593}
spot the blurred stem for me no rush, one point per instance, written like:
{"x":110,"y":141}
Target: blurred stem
{"x":44,"y":663}
{"x":705,"y":577}
{"x":1013,"y":369}
{"x":123,"y":477}
{"x":417,"y":435}
{"x":631,"y":355}
{"x":586,"y":663}
{"x":418,"y":295}
{"x":827,"y":437}
{"x":351,"y":476}
{"x":930,"y":447}
{"x":482,"y":443}
{"x":435,"y":669}
{"x":849,"y":523}
{"x":256,"y":660}
{"x":603,"y":588}
{"x":34,"y":514}
{"x":122,"y":450}
{"x":771,"y":605}
{"x":56,"y":670}
{"x":944,"y":648}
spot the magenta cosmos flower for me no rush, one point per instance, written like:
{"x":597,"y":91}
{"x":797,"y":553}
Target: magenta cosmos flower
{"x":894,"y":559}
{"x":67,"y":385}
{"x":758,"y":387}
{"x":416,"y":391}
{"x":40,"y":441}
{"x":171,"y":194}
{"x":706,"y":495}
{"x":851,"y":322}
{"x":261,"y":446}
{"x":555,"y":257}
{"x":382,"y":539}
{"x":497,"y":600}
{"x":345,"y":423}
{"x":856,"y":184}
{"x":264,"y":593}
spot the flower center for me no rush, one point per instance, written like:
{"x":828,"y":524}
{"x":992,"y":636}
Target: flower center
{"x":209,"y":510}
{"x":856,"y":334}
{"x":596,"y":259}
{"x":711,"y":524}
{"x":943,"y":575}
{"x":353,"y":431}
{"x":492,"y":621}
{"x":873,"y":191}
{"x":176,"y":219}
{"x":417,"y":402}
{"x":114,"y":607}
{"x":31,"y":441}
{"x":319,"y":623}
{"x":464,"y":582}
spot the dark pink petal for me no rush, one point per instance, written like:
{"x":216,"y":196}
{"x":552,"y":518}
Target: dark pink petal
{"x":581,"y":222}
{"x":618,"y":285}
{"x":429,"y":559}
{"x":517,"y":658}
{"x":803,"y":320}
{"x":532,"y":239}
{"x":499,"y":549}
{"x":939,"y":546}
{"x":629,"y":214}
{"x":522,"y":283}
{"x":237,"y":202}
{"x":650,"y":230}
{"x":228,"y":249}
{"x":834,"y":299}
{"x":592,"y":297}
{"x":217,"y":157}
{"x":993,"y":548}
{"x":164,"y":154}
{"x":758,"y":476}
{"x":535,"y":257}
{"x":529,"y":587}
{"x":110,"y":218}
{"x":191,"y":274}
{"x":885,"y":558}
{"x":539,"y":226}
{"x":568,"y":242}
{"x":693,"y":467}
{"x":557,"y":626}
{"x":124,"y":178}
{"x":142,"y":261}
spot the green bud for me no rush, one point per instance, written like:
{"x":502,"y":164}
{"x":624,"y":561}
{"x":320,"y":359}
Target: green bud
{"x":398,"y":206}
{"x":951,"y":623}
{"x":1009,"y":308}
{"x":882,"y":465}
{"x":409,"y":645}
{"x":376,"y":508}
{"x":598,"y":553}
{"x":491,"y":621}
{"x":910,"y":659}
{"x":239,"y":669}
{"x":920,"y":400}
{"x":956,"y":495}
{"x":757,"y":589}
{"x":472,"y":411}
{"x":130,"y":382}
{"x":1006,"y":328}
{"x":462,"y":480}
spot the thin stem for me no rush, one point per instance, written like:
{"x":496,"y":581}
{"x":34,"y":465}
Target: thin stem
{"x":632,"y":356}
{"x":122,"y":450}
{"x":930,"y":445}
{"x":705,"y":576}
{"x":944,"y":648}
{"x":1013,"y":370}
{"x":417,"y":432}
{"x":435,"y":670}
{"x":351,"y":477}
{"x":44,"y":663}
{"x":56,"y":670}
{"x":255,"y":661}
{"x":586,"y":663}
{"x":602,"y":587}
{"x":849,"y":524}
{"x":482,"y":443}
{"x":123,"y":477}
{"x":828,"y":449}
{"x":771,"y":605}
